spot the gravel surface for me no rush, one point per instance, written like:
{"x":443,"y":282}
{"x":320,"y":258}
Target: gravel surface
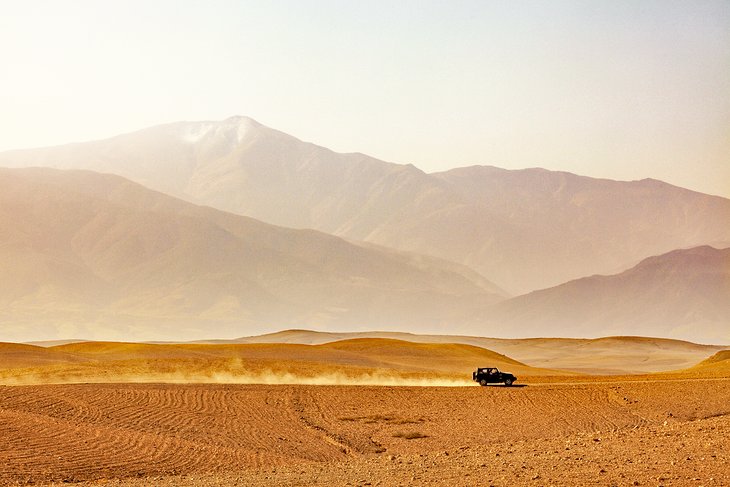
{"x":603,"y":433}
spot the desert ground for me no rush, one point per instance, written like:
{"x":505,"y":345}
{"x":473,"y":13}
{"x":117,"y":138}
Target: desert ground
{"x":70,"y":416}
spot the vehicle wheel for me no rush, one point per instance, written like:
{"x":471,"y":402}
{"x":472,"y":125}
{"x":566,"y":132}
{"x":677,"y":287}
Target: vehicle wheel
{"x":508,"y":382}
{"x":483,"y":382}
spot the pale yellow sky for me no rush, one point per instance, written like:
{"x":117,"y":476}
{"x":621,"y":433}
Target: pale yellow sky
{"x":620,"y":89}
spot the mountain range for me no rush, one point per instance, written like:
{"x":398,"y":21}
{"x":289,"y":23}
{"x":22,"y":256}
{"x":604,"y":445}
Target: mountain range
{"x":684,"y":293}
{"x":116,"y":243}
{"x":89,"y":254}
{"x":524,"y":230}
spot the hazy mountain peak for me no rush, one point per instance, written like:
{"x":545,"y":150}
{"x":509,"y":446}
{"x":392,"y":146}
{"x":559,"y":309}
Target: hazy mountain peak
{"x":233,"y":129}
{"x":239,"y":119}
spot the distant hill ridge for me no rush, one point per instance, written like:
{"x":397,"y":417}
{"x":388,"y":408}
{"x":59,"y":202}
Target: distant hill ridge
{"x":684,"y":293}
{"x":84,"y":361}
{"x":524,"y":230}
{"x":373,"y":359}
{"x":605,"y":355}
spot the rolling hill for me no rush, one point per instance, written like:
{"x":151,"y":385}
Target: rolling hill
{"x":525,"y":230}
{"x":717,"y":365}
{"x":605,"y":355}
{"x":95,"y":255}
{"x":361,"y":361}
{"x":18,"y":355}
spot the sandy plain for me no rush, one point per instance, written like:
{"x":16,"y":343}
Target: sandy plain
{"x":652,"y":429}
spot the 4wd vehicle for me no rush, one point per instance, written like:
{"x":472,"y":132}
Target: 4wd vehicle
{"x":491,"y":375}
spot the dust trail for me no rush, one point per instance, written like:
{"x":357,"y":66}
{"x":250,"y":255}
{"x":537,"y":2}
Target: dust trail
{"x":264,"y":377}
{"x":370,"y":379}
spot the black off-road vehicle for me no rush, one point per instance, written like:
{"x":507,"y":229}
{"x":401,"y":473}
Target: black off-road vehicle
{"x":491,"y":375}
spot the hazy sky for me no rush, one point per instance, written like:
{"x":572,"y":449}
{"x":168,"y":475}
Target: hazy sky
{"x":618,"y":89}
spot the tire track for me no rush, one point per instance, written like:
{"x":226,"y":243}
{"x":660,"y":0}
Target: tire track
{"x":96,"y":431}
{"x":150,"y":430}
{"x":304,"y":405}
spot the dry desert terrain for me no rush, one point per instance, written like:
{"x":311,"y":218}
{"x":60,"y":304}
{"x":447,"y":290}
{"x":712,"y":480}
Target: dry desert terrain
{"x":109,"y":429}
{"x":671,"y":432}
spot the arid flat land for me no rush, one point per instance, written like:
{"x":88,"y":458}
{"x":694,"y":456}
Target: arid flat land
{"x":601,"y":432}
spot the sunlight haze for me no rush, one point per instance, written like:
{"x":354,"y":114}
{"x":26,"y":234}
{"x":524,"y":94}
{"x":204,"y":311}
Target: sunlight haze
{"x":622,"y":90}
{"x":364,"y":242}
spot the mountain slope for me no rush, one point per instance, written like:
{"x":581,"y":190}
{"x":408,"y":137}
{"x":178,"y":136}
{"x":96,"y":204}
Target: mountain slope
{"x":94,"y":255}
{"x":241,"y":166}
{"x":525,"y":230}
{"x":573,"y":226}
{"x":682,"y":294}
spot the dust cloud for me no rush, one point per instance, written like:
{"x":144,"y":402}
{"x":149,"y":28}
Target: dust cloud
{"x":369,"y":379}
{"x":265,"y":377}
